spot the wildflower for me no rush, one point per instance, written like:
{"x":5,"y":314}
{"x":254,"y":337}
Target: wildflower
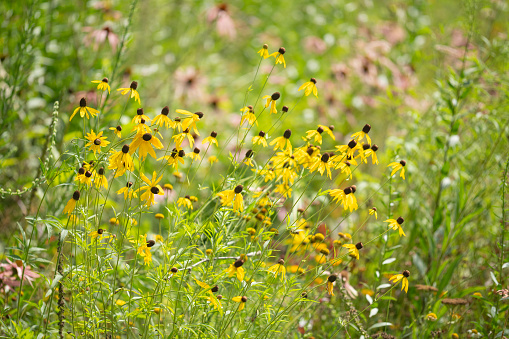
{"x":185,"y":201}
{"x":358,"y":136}
{"x":322,"y":165}
{"x":113,"y":221}
{"x":179,"y":138}
{"x":174,"y":158}
{"x":309,"y":87}
{"x":271,"y":101}
{"x":330,"y":283}
{"x":84,"y":110}
{"x":120,"y":302}
{"x":211,"y":139}
{"x":248,"y":159}
{"x":264,"y":52}
{"x":316,"y":134}
{"x":195,"y":154}
{"x":232,"y":197}
{"x":404,"y":279}
{"x":212,"y":159}
{"x":373,"y":211}
{"x":248,"y":114}
{"x":159,"y":238}
{"x":144,"y":247}
{"x":236,"y":269}
{"x":117,"y":130}
{"x":87,"y":178}
{"x":278,"y":268}
{"x":280,"y":59}
{"x":145,"y":143}
{"x":346,"y":197}
{"x":260,"y":139}
{"x":96,"y":234}
{"x":141,"y":128}
{"x":455,"y":336}
{"x":328,"y":130}
{"x":242,"y":301}
{"x":140,"y":115}
{"x":96,"y":141}
{"x":371,"y":152}
{"x":353,"y":250}
{"x":152,"y":188}
{"x":100,"y":179}
{"x":103,"y":84}
{"x":396,"y":225}
{"x":133,"y":90}
{"x":349,"y":148}
{"x":159,"y":216}
{"x":396,"y":166}
{"x":431,"y":317}
{"x":283,"y":142}
{"x":190,"y":122}
{"x":121,"y":161}
{"x":284,"y":189}
{"x":71,"y":204}
{"x":163,"y":120}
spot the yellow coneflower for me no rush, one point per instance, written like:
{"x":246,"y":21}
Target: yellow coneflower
{"x":159,"y":216}
{"x":140,"y":115}
{"x":271,"y":101}
{"x":358,"y":136}
{"x":114,"y":221}
{"x":179,"y":138}
{"x":117,"y":130}
{"x":328,"y":130}
{"x":121,"y":161}
{"x":242,"y":301}
{"x":233,"y":197}
{"x":84,"y":110}
{"x":346,"y":197}
{"x":315,"y":134}
{"x":195,"y":154}
{"x":396,"y":225}
{"x":309,"y":87}
{"x":344,"y":167}
{"x":190,"y":122}
{"x":372,"y":211}
{"x":103,"y":84}
{"x":283,"y":142}
{"x":71,"y":204}
{"x":284,"y":189}
{"x":133,"y":90}
{"x":404,"y":279}
{"x":264,"y":52}
{"x":248,"y":159}
{"x":100,"y":179}
{"x":278,"y":268}
{"x":248,"y":114}
{"x":211,"y":139}
{"x":174,"y":158}
{"x":330,"y":284}
{"x":396,"y":166}
{"x":280,"y":59}
{"x":322,"y":165}
{"x":127,"y":191}
{"x":151,"y":188}
{"x":212,"y":159}
{"x":236,"y":269}
{"x":96,"y":234}
{"x":186,"y":202}
{"x":145,"y":143}
{"x":163,"y":120}
{"x":141,"y":128}
{"x":369,"y":152}
{"x":353,"y":250}
{"x":144,"y":249}
{"x":96,"y":141}
{"x":349,"y":148}
{"x":260,"y":139}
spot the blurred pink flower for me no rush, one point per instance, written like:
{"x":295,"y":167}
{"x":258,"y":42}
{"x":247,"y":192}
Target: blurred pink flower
{"x":224,"y":23}
{"x":315,"y":45}
{"x":11,"y":273}
{"x":189,"y":85}
{"x":97,"y":37}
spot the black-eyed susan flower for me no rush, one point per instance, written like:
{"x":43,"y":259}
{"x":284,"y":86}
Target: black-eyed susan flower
{"x":260,"y":139}
{"x":211,"y":139}
{"x":103,"y":84}
{"x":279,"y":55}
{"x":353,"y":250}
{"x":132,"y":90}
{"x":395,"y":224}
{"x":248,"y":114}
{"x":242,"y":301}
{"x":71,"y":204}
{"x":264,"y":52}
{"x":330,"y":283}
{"x":248,"y":159}
{"x":344,"y":167}
{"x":396,"y":166}
{"x":151,"y":189}
{"x":283,"y":142}
{"x":328,"y":130}
{"x":114,"y":221}
{"x":404,"y":279}
{"x":315,"y":134}
{"x":346,"y":197}
{"x":233,"y":197}
{"x":370,"y":152}
{"x":87,"y":178}
{"x":100,"y":179}
{"x":117,"y":130}
{"x":322,"y":165}
{"x":144,"y":247}
{"x":349,"y":148}
{"x":163,"y":120}
{"x":121,"y":161}
{"x":195,"y":154}
{"x":96,"y":141}
{"x":141,"y":128}
{"x":358,"y":136}
{"x":84,"y":110}
{"x":96,"y":234}
{"x":284,"y":189}
{"x":144,"y":143}
{"x":177,"y":124}
{"x":278,"y":268}
{"x":140,"y":115}
{"x":271,"y":101}
{"x":186,"y":202}
{"x":175,"y":157}
{"x":191,"y":120}
{"x":236,"y":269}
{"x":372,"y":211}
{"x":179,"y":138}
{"x":309,"y":87}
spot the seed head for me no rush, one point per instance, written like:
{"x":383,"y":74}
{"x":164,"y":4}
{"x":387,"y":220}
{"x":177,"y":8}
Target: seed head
{"x":238,"y":263}
{"x":97,"y":142}
{"x":243,"y":299}
{"x":359,"y":245}
{"x":287,"y":134}
{"x":76,"y":195}
{"x":282,"y":50}
{"x":275,"y":96}
{"x":325,"y":158}
{"x":150,"y":243}
{"x":406,"y":273}
{"x":238,"y":189}
{"x":134,"y":85}
{"x":261,"y":134}
{"x":101,"y":171}
{"x":213,"y":134}
{"x":182,"y":153}
{"x":154,"y":190}
{"x":165,"y":110}
{"x":352,"y":143}
{"x":313,"y":80}
{"x":215,"y":289}
{"x":147,"y":136}
{"x":196,"y":150}
{"x":285,"y":109}
{"x":174,"y":270}
{"x":374,"y":148}
{"x":400,"y":220}
{"x":332,"y":278}
{"x":403,"y":163}
{"x":100,"y":231}
{"x":366,"y":128}
{"x":83,"y":102}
